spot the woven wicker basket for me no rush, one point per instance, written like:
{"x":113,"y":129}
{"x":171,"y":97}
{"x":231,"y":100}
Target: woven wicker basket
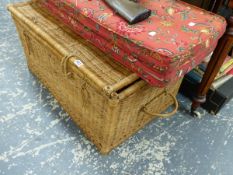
{"x":108,"y":102}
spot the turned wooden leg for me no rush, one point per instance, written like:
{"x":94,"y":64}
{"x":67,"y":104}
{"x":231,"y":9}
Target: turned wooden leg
{"x":219,"y":55}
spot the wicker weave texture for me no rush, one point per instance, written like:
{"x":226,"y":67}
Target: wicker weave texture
{"x":102,"y":97}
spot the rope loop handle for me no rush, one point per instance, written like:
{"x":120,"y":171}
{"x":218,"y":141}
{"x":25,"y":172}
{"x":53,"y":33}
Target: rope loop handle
{"x":64,"y":65}
{"x":166,"y":115}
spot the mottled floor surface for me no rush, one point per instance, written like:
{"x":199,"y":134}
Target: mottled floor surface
{"x":38,"y":137}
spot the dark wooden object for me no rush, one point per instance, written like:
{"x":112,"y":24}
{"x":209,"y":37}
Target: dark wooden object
{"x":205,"y":4}
{"x":224,"y":46}
{"x":220,"y":53}
{"x":215,"y":4}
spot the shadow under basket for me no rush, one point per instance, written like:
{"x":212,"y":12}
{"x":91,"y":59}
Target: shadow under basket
{"x":108,"y":102}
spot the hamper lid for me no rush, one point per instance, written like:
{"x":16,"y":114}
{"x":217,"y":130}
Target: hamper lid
{"x":85,"y":59}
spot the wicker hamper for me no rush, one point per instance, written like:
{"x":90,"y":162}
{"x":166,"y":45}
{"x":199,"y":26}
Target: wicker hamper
{"x":108,"y":102}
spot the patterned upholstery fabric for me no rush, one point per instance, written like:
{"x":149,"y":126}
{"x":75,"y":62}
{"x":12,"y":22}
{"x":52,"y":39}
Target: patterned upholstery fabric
{"x":161,"y":49}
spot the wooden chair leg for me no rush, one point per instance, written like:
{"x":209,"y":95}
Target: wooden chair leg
{"x":219,"y":55}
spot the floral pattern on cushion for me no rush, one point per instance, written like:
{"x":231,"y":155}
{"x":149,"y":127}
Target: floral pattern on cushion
{"x":161,"y":49}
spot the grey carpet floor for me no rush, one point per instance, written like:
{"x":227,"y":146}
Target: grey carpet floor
{"x":38,"y":137}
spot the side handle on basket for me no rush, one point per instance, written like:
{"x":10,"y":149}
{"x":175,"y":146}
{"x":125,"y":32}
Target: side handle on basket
{"x":64,"y":65}
{"x":145,"y":109}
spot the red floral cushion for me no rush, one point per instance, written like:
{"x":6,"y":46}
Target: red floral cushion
{"x":161,"y":49}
